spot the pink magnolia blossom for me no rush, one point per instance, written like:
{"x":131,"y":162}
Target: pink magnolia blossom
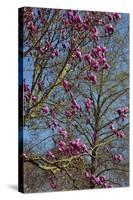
{"x":93,"y":78}
{"x":62,"y":146}
{"x":63,"y":132}
{"x":94,"y":33}
{"x":111,"y":126}
{"x":88,"y":58}
{"x":102,"y":179}
{"x":68,"y":113}
{"x":109,"y":28}
{"x":118,"y":157}
{"x":78,"y":19}
{"x":106,"y":66}
{"x":95,"y":65}
{"x":50,"y":155}
{"x":119,"y":134}
{"x":101,"y":60}
{"x":97,"y":51}
{"x":87,"y":174}
{"x":45,"y":109}
{"x":34,"y":99}
{"x":104,"y":49}
{"x":117,"y":16}
{"x":62,"y":34}
{"x":88,"y":103}
{"x":53,"y":114}
{"x":85,"y":26}
{"x":78,"y":146}
{"x":67,"y":85}
{"x":122,"y":112}
{"x":62,"y":143}
{"x":78,"y":54}
{"x":55,"y":123}
{"x":75,"y":105}
{"x":109,"y":17}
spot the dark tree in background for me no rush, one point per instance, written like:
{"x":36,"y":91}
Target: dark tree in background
{"x":75,"y":99}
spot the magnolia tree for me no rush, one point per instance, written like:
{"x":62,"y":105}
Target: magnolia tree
{"x":75,"y":99}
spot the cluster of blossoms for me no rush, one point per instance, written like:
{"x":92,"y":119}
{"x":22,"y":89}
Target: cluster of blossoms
{"x":97,"y":58}
{"x":27,"y":93}
{"x":98,"y":181}
{"x":73,"y":19}
{"x":115,"y":157}
{"x":54,"y":124}
{"x":67,"y":85}
{"x":54,"y":52}
{"x":118,"y":133}
{"x":77,"y":53}
{"x":91,"y":77}
{"x":75,"y":108}
{"x":63,"y":132}
{"x":88,"y":104}
{"x":118,"y":157}
{"x":74,"y":147}
{"x":122,"y":112}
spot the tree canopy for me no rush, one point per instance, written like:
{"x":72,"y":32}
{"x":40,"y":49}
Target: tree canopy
{"x":74,"y":94}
